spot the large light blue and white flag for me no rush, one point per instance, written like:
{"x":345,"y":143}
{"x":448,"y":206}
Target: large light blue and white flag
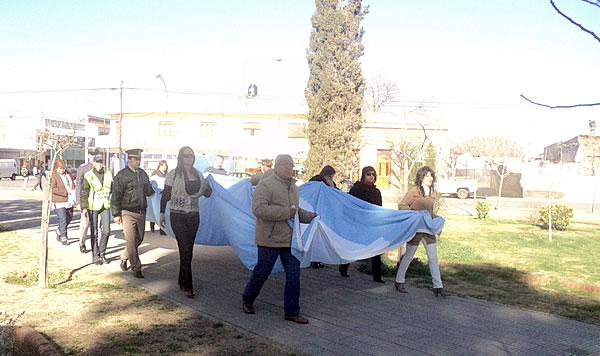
{"x":347,"y":228}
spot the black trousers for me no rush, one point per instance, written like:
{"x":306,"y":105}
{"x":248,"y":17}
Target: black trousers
{"x":185,"y":227}
{"x":375,"y":267}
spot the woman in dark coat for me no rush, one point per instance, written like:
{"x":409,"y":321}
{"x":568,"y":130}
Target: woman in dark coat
{"x":326,"y":176}
{"x":366,"y":190}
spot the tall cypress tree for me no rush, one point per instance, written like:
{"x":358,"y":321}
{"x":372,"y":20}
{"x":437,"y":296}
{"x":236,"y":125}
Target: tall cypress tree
{"x":334,"y":93}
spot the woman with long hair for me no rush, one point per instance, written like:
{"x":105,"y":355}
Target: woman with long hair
{"x":158,"y":176}
{"x":326,"y":176}
{"x":366,"y":190}
{"x":61,"y":187}
{"x":421,"y":197}
{"x":183,"y":187}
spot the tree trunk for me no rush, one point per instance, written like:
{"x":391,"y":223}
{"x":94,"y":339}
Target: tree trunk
{"x":43,"y":275}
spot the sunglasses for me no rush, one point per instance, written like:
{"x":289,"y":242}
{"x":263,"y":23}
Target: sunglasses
{"x":371,"y":174}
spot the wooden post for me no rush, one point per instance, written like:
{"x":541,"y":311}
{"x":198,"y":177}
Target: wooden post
{"x":550,"y":215}
{"x":43,"y":275}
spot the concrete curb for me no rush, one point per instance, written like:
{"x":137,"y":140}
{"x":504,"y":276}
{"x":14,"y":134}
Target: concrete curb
{"x":34,"y":342}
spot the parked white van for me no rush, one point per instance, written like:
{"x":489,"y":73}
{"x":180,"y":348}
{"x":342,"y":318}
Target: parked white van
{"x":8,"y":168}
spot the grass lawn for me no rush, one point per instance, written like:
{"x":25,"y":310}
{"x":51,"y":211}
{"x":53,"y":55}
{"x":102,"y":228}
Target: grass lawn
{"x":86,"y":311}
{"x":513,"y":262}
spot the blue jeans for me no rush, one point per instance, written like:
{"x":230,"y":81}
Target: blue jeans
{"x":64,"y":219}
{"x":267,"y":256}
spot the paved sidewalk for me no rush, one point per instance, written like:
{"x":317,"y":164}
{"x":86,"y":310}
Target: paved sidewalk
{"x":348,"y":316}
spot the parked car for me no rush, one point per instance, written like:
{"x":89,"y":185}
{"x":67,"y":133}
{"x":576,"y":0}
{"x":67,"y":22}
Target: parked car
{"x":8,"y":168}
{"x":463,"y":187}
{"x":240,"y":174}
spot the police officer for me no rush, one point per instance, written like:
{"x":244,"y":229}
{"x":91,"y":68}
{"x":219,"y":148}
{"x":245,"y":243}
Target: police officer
{"x":95,"y":203}
{"x":130,"y":189}
{"x":266,"y":166}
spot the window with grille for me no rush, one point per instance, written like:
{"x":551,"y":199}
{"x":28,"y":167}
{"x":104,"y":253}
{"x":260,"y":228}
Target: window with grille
{"x":207,"y":129}
{"x":166,"y":128}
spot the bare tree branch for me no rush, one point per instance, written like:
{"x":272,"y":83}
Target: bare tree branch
{"x":379,"y":93}
{"x":597,"y":3}
{"x":575,"y":23}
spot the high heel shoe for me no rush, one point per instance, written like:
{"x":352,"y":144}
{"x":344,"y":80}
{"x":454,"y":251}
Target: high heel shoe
{"x":400,"y":287}
{"x":440,"y":292}
{"x":188,"y":292}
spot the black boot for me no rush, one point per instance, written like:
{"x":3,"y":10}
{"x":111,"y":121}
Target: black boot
{"x":344,"y":270}
{"x":376,"y":268}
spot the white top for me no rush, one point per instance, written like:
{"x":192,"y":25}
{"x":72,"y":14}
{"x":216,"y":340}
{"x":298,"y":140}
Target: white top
{"x":68,"y":184}
{"x":426,"y":190}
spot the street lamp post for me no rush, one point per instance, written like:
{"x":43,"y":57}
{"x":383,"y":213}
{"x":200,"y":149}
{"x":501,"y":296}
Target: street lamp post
{"x":121,"y":127}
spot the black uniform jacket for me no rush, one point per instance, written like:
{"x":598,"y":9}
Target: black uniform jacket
{"x":129,"y":191}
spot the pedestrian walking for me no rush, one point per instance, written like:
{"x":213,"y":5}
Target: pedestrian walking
{"x":274,"y":202}
{"x":62,"y":189}
{"x":40,"y":173}
{"x":130,"y":189}
{"x":421,"y":197}
{"x":95,"y":205}
{"x":159,"y":176}
{"x":183,"y":187}
{"x":84,"y":220}
{"x":25,"y":173}
{"x":326,"y":176}
{"x":365,"y":189}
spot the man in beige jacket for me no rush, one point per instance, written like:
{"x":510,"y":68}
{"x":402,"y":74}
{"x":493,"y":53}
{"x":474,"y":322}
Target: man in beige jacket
{"x":274,"y":202}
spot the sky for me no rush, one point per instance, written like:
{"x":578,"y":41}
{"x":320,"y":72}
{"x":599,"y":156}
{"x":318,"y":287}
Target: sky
{"x":467,"y":61}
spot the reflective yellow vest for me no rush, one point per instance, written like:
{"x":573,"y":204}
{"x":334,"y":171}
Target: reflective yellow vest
{"x":99,"y":192}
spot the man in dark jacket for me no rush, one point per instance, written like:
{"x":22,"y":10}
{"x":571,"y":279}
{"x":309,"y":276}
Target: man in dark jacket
{"x":131,"y":186}
{"x":84,"y":220}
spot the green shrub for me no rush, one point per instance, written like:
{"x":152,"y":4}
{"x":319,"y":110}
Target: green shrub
{"x":483,"y":209}
{"x":561,"y":216}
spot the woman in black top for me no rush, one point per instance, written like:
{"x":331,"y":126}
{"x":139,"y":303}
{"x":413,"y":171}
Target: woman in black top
{"x":366,"y":190}
{"x":183,"y":187}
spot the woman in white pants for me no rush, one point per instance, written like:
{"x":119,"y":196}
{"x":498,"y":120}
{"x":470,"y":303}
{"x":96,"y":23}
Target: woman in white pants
{"x":421,"y":197}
